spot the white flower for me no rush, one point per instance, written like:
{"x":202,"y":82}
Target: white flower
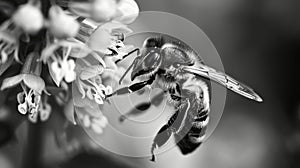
{"x":42,"y":111}
{"x":63,"y":69}
{"x":29,"y":101}
{"x":62,"y":25}
{"x":103,"y":10}
{"x":107,"y":35}
{"x":96,"y":124}
{"x":93,"y":89}
{"x":29,"y":18}
{"x":33,"y":115}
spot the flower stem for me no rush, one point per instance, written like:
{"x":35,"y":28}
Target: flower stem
{"x":27,"y":64}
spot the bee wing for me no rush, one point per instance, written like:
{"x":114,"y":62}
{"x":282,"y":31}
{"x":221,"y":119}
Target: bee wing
{"x":223,"y":79}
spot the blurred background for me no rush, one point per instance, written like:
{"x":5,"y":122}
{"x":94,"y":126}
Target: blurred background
{"x":259,"y":43}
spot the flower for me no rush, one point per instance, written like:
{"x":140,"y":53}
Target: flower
{"x":28,"y":101}
{"x":95,"y":123}
{"x":59,"y":66}
{"x":63,"y":69}
{"x":62,"y":25}
{"x":107,"y":36}
{"x":93,"y":89}
{"x":32,"y":86}
{"x":29,"y":18}
{"x":32,"y":81}
{"x":123,"y":11}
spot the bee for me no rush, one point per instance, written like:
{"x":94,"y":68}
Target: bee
{"x":173,"y":66}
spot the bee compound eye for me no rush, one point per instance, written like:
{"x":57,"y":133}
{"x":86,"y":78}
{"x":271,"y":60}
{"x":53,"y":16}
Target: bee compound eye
{"x":152,"y":59}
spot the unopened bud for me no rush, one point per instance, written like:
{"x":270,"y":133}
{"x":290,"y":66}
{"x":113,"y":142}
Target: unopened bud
{"x":29,"y":18}
{"x":103,"y":10}
{"x":62,"y":25}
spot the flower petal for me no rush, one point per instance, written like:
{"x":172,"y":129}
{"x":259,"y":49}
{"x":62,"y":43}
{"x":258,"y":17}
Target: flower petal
{"x":22,"y":108}
{"x":98,"y":99}
{"x":86,"y":121}
{"x":100,"y":40}
{"x":128,"y":11}
{"x":96,"y":128}
{"x":68,"y":67}
{"x":81,"y":8}
{"x":12,"y":81}
{"x":55,"y":72}
{"x":34,"y":82}
{"x":70,"y":76}
{"x":21,"y":97}
{"x":102,"y":121}
{"x":116,"y":27}
{"x":33,"y":115}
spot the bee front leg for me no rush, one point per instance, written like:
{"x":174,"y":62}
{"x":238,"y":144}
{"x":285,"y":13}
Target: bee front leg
{"x":132,"y":88}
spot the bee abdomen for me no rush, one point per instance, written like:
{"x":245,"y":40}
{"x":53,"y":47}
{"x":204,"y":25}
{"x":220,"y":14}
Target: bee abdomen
{"x":190,"y":140}
{"x":186,"y":145}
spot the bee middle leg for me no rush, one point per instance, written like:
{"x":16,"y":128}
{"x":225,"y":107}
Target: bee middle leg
{"x":173,"y":124}
{"x":138,"y":109}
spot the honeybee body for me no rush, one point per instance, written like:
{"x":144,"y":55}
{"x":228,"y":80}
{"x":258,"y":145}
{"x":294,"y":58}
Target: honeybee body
{"x":173,"y":66}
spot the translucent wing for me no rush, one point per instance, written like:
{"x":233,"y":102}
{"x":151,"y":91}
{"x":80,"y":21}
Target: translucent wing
{"x":223,"y":79}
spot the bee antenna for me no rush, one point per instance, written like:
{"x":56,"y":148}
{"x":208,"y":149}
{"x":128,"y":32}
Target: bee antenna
{"x":128,"y":69}
{"x":128,"y":54}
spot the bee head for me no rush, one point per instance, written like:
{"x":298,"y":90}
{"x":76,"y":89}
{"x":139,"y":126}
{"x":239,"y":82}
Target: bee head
{"x":149,"y":61}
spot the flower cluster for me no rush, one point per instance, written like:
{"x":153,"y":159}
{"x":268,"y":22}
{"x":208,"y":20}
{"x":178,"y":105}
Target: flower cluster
{"x":79,"y":44}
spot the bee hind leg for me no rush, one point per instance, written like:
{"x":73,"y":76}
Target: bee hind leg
{"x":160,"y":139}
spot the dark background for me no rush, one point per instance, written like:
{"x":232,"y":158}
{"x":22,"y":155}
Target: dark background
{"x":259,"y":44}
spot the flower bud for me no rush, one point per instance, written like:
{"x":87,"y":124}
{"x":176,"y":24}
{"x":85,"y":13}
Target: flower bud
{"x":61,"y":25}
{"x":29,"y":18}
{"x":128,"y":11}
{"x":103,"y":10}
